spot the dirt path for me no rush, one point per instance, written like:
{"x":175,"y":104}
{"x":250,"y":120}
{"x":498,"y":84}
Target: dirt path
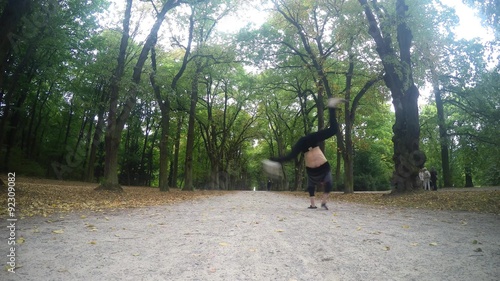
{"x":257,"y":236}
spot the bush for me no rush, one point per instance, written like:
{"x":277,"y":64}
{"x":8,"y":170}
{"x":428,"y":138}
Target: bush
{"x":369,"y":174}
{"x":21,"y":165}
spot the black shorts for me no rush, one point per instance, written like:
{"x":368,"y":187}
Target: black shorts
{"x":321,"y":175}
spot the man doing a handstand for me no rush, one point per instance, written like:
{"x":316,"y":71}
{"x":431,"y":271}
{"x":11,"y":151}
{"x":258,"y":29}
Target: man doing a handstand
{"x":317,"y":167}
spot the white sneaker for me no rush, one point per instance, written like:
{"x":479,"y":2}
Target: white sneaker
{"x":333,"y":102}
{"x":272,"y":168}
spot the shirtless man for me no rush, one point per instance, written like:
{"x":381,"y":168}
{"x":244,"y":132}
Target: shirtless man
{"x":317,"y":167}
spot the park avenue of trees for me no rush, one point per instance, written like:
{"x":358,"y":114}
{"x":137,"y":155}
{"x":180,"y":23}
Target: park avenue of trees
{"x":156,"y":93}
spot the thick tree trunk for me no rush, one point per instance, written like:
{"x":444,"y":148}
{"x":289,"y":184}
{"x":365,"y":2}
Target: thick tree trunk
{"x":113,"y":133}
{"x":408,"y":159}
{"x":111,"y":142}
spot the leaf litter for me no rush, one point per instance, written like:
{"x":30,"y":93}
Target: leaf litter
{"x":480,"y":201}
{"x":42,"y":197}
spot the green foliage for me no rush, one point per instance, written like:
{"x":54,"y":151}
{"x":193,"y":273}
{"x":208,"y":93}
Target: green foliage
{"x":369,"y":174}
{"x":24,"y":166}
{"x":59,"y":74}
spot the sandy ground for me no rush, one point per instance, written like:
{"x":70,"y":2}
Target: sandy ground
{"x":256,"y":236}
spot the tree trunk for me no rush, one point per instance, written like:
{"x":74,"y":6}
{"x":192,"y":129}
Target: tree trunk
{"x":10,"y":19}
{"x":111,"y":143}
{"x":175,"y":163}
{"x":113,"y":134}
{"x":408,"y":159}
{"x":30,"y":136}
{"x":126,"y":165}
{"x":96,"y":140}
{"x":164,"y":104}
{"x":164,"y":149}
{"x":33,"y":149}
{"x":116,"y":122}
{"x":188,"y":171}
{"x":142,"y":174}
{"x":164,"y":181}
{"x":150,"y":158}
{"x":14,"y":100}
{"x":299,"y":173}
{"x":443,"y":138}
{"x":348,"y":150}
{"x":468,"y":177}
{"x":88,"y":144}
{"x":337,"y":168}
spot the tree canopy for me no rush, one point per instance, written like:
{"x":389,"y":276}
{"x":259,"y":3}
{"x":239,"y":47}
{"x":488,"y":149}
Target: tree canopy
{"x":157,"y":93}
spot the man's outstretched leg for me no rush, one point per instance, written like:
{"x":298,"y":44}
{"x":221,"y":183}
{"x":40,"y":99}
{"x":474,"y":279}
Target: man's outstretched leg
{"x":327,"y":184}
{"x":306,"y":142}
{"x":311,"y":188}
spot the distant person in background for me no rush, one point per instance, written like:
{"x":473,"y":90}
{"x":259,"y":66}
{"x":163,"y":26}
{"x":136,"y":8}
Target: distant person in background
{"x":425,"y":176}
{"x":421,"y":176}
{"x":269,"y":183}
{"x":434,"y":179}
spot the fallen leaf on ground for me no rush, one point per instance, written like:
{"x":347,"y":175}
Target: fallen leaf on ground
{"x":59,"y":231}
{"x":483,"y":201}
{"x":43,"y":197}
